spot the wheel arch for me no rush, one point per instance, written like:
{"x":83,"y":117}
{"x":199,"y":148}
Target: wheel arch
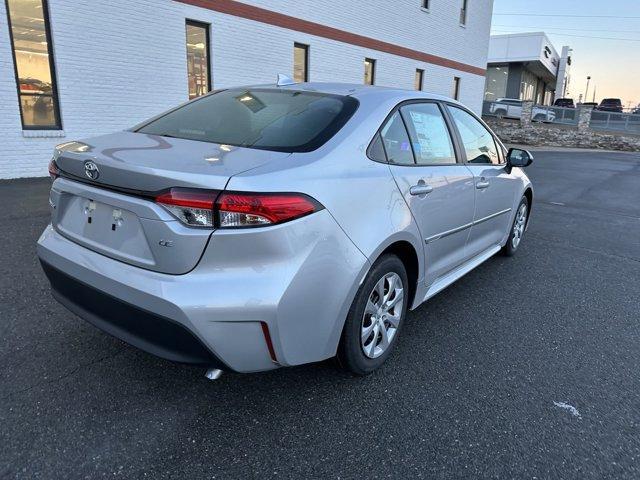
{"x":406,"y":252}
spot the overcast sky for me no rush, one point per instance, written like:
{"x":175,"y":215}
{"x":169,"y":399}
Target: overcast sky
{"x":614,"y":65}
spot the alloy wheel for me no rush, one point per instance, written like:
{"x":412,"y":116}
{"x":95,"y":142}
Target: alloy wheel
{"x":519,"y":225}
{"x":382,"y":315}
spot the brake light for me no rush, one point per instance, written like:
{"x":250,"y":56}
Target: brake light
{"x":191,"y":207}
{"x":241,"y":209}
{"x":209,"y":208}
{"x":54,"y":172}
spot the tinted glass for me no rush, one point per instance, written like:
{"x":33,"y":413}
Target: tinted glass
{"x":33,"y":63}
{"x":268,"y":119}
{"x":197,"y":59}
{"x":376,"y":150}
{"x":429,"y":134}
{"x":479,"y":144}
{"x":396,"y":141}
{"x":496,"y":82}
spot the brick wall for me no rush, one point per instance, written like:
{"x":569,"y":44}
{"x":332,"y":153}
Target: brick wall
{"x":122,"y":61}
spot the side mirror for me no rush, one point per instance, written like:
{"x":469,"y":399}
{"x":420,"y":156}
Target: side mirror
{"x":519,"y":158}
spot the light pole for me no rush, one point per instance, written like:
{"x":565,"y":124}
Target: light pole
{"x":586,"y":93}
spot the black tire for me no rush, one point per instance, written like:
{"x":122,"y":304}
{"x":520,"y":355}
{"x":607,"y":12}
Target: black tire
{"x":511,"y":247}
{"x":351,"y":356}
{"x":501,"y":114}
{"x":540,"y":118}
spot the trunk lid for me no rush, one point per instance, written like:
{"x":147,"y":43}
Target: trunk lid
{"x":126,"y":224}
{"x":150,"y":163}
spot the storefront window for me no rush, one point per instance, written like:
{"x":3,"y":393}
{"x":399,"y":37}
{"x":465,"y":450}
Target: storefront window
{"x":33,"y":61}
{"x":548,"y":96}
{"x":528,"y":85}
{"x":198,"y":70}
{"x":496,"y":86}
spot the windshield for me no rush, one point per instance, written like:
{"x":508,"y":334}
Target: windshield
{"x":268,"y":119}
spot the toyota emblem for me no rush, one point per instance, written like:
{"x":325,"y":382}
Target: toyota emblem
{"x":91,"y":170}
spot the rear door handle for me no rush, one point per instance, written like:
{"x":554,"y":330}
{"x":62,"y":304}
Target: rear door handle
{"x":482,"y":184}
{"x":420,"y":189}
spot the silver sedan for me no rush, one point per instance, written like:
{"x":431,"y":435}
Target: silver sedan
{"x":269,"y":226}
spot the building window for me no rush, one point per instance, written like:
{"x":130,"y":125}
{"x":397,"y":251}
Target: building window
{"x":198,"y":69}
{"x":33,"y":61}
{"x":418,"y":84}
{"x":456,"y":88}
{"x":426,"y":4}
{"x":300,"y":62}
{"x":496,"y":83}
{"x":463,"y":12}
{"x":528,"y":85}
{"x":369,"y":71}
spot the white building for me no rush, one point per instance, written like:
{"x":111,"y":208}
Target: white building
{"x":71,"y":69}
{"x":527,"y":66}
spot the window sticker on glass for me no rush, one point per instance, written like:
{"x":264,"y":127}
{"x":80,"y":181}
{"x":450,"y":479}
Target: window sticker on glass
{"x":429,"y":134}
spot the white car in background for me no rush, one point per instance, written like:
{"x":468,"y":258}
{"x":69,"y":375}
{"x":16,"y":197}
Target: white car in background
{"x":512,"y":108}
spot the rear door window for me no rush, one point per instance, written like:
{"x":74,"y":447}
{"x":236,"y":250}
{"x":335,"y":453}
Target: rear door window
{"x":429,"y":134}
{"x":269,"y":119}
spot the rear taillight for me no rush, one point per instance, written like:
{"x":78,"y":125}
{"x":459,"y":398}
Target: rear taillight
{"x":241,"y":209}
{"x":53,"y":170}
{"x":210,"y":208}
{"x":191,"y":207}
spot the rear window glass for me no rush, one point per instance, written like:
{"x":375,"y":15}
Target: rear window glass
{"x":268,"y":119}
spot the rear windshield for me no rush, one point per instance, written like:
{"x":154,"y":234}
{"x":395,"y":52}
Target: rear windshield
{"x":268,"y":119}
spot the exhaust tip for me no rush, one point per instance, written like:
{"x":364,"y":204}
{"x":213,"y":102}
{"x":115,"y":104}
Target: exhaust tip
{"x":213,"y":374}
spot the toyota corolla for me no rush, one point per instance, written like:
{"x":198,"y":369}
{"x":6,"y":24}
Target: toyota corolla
{"x":270,"y":226}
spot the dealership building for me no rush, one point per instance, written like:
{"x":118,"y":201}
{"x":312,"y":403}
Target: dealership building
{"x":527,"y":66}
{"x":72,"y":69}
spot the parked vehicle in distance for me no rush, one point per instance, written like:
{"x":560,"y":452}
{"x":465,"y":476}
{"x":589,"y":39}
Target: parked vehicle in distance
{"x":611,"y":105}
{"x":592,"y":105}
{"x":260,"y":227}
{"x":564,"y":103}
{"x":512,"y":108}
{"x":636,"y":111}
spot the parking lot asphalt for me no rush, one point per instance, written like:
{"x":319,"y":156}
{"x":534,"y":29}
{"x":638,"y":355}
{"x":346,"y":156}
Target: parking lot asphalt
{"x":528,"y":367}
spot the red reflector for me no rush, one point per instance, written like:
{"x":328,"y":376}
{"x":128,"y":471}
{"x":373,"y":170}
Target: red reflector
{"x":267,"y":339}
{"x":53,"y":170}
{"x":189,"y":198}
{"x":275,"y":207}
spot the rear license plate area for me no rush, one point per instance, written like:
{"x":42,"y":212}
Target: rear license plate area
{"x":102,"y":227}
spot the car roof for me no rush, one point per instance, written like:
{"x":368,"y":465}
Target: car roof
{"x":360,"y":91}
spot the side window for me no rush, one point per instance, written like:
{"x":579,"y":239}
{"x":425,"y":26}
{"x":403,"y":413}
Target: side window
{"x":376,"y":150}
{"x":478,"y":142}
{"x":429,"y":134}
{"x":396,"y":141}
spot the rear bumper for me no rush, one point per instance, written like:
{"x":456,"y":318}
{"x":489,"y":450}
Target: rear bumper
{"x":298,"y":279}
{"x":152,"y":333}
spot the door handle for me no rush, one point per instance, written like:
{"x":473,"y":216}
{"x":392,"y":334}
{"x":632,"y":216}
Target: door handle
{"x":420,"y":189}
{"x":482,"y":184}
